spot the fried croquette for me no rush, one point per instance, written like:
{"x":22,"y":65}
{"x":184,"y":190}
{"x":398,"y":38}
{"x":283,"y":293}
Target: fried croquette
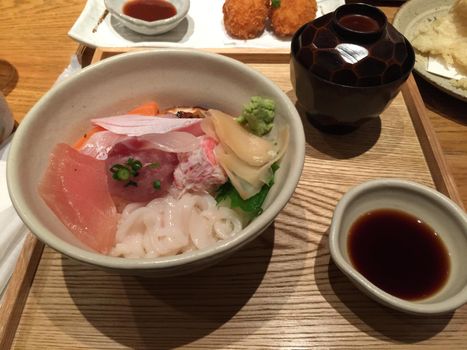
{"x":245,"y":19}
{"x":291,"y":15}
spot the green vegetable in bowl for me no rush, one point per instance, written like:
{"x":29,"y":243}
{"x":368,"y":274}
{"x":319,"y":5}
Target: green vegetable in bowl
{"x":251,"y":207}
{"x":258,"y":115}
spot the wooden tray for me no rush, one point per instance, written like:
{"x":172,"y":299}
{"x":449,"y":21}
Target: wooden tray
{"x":281,"y":291}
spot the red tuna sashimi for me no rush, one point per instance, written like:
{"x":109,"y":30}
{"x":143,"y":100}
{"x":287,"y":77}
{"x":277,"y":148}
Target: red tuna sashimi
{"x":75,"y":187}
{"x":153,"y":180}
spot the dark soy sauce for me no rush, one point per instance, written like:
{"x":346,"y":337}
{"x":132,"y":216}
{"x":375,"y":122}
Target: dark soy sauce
{"x":399,"y":253}
{"x":359,"y":23}
{"x":149,"y":10}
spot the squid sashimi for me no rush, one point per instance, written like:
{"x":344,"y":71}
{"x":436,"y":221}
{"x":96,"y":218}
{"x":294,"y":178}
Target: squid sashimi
{"x":75,"y":187}
{"x":139,"y":173}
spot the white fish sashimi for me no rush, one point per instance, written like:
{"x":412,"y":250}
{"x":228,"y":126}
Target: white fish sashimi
{"x":175,"y":141}
{"x":139,"y":125}
{"x":100,"y":143}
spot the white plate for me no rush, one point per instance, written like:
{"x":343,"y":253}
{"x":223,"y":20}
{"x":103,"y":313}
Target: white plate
{"x":202,"y":28}
{"x":407,"y":19}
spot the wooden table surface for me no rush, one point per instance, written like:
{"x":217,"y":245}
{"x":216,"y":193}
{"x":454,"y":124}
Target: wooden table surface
{"x":35,"y":49}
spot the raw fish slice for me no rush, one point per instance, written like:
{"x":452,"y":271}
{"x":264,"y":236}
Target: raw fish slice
{"x":175,"y":141}
{"x":137,"y":125}
{"x":198,"y":170}
{"x":100,"y":143}
{"x":157,"y":166}
{"x":194,"y":129}
{"x":75,"y":188}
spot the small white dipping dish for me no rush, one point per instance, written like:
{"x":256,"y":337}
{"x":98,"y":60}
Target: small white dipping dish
{"x":115,"y":7}
{"x":430,"y":206}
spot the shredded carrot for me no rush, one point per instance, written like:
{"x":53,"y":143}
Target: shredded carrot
{"x":148,"y":109}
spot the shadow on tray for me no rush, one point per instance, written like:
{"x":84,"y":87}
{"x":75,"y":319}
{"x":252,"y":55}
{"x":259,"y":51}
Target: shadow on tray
{"x":345,"y":146}
{"x":164,"y":313}
{"x":442,"y":103}
{"x":367,"y":315}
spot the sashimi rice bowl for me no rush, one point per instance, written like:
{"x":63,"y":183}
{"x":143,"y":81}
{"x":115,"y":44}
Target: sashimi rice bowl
{"x":162,"y":161}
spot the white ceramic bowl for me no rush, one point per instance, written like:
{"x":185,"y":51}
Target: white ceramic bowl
{"x":433,"y":208}
{"x":115,"y":7}
{"x":172,"y":78}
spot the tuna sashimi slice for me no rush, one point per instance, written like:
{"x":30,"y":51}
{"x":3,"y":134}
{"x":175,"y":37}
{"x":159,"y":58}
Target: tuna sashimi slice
{"x":74,"y":187}
{"x":154,"y":178}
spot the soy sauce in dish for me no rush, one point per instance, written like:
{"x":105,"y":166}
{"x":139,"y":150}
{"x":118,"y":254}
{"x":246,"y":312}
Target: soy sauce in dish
{"x":359,"y":23}
{"x":149,"y":10}
{"x":399,"y":253}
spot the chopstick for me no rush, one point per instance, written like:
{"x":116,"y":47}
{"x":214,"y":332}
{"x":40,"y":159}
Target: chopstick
{"x":100,"y":20}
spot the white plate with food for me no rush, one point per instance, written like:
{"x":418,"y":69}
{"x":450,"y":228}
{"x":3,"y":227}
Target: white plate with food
{"x":441,"y":33}
{"x":203,"y":27}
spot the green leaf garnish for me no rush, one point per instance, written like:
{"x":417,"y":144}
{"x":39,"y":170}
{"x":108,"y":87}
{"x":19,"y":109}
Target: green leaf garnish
{"x":275,"y":3}
{"x":251,"y":206}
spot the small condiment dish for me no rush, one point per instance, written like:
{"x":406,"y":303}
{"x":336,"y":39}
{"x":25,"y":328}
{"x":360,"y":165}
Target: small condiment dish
{"x":447,"y":219}
{"x":115,"y":7}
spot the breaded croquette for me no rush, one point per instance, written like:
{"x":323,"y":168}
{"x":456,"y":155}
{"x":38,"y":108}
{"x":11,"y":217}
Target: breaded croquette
{"x":245,"y":19}
{"x":290,"y":15}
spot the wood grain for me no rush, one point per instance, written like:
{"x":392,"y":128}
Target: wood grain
{"x":33,"y":39}
{"x":433,"y":153}
{"x":17,"y":292}
{"x":282,"y":291}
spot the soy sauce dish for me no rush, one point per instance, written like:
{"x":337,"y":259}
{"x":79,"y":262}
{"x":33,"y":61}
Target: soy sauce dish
{"x":403,"y":244}
{"x":149,"y":17}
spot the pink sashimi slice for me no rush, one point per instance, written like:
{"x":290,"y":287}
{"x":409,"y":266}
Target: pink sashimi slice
{"x":175,"y":141}
{"x":154,"y":178}
{"x":100,"y":143}
{"x":138,"y":125}
{"x":75,"y":188}
{"x":199,"y":170}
